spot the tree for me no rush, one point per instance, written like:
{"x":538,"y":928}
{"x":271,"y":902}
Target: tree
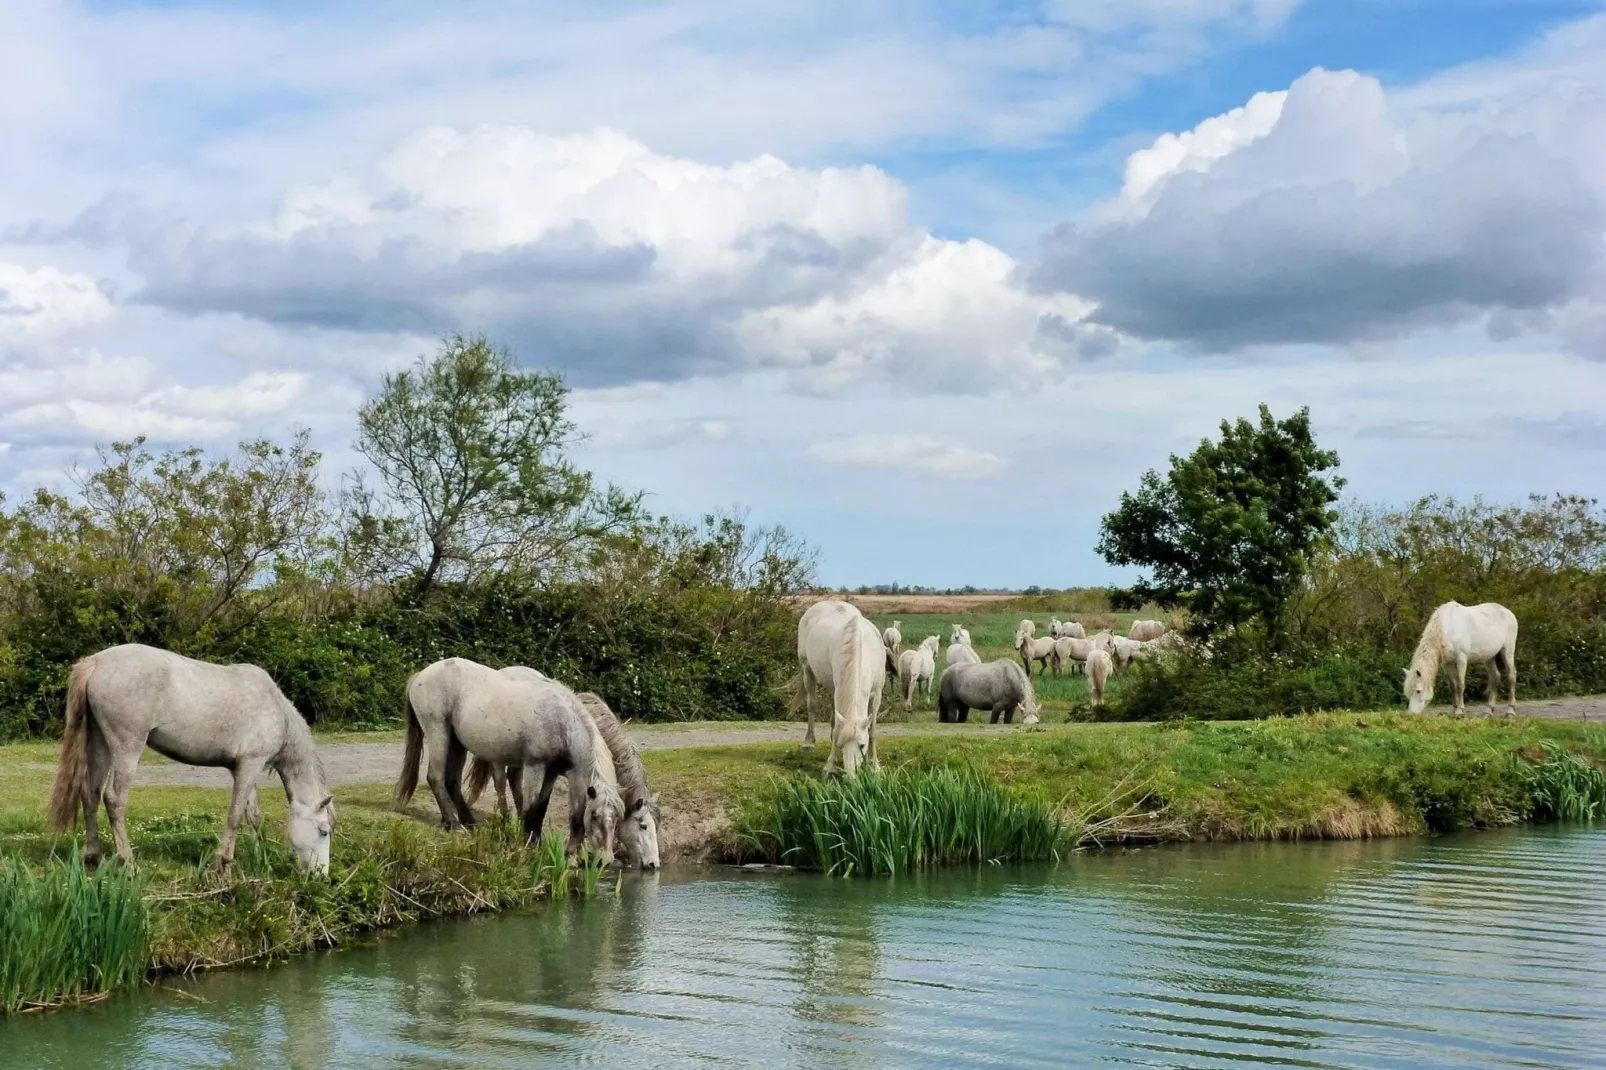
{"x":470,"y":451}
{"x":1231,"y":529}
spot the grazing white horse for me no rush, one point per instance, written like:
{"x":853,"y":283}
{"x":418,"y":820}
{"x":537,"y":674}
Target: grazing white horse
{"x":893,"y":637}
{"x":1104,"y":640}
{"x":839,"y":650}
{"x":1070,"y":629}
{"x":1456,"y":634}
{"x":1124,"y":651}
{"x":917,"y":667}
{"x":1038,"y":650}
{"x":1025,"y":627}
{"x":1099,"y":668}
{"x":961,"y":634}
{"x":1070,"y":648}
{"x":960,"y":654}
{"x":231,"y":716}
{"x":1145,"y":630}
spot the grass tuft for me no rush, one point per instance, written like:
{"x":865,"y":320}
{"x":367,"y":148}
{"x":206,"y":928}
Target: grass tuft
{"x":1564,"y":786}
{"x":67,"y":935}
{"x":885,"y":823}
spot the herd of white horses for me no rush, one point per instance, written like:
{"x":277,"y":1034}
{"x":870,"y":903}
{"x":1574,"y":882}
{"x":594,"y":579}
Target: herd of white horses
{"x":524,"y":730}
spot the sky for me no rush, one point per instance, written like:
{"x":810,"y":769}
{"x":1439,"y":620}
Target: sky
{"x":930,"y":284}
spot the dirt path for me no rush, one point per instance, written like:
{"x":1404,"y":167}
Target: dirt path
{"x":377,"y":762}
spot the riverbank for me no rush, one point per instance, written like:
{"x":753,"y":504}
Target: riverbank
{"x":1328,"y":776}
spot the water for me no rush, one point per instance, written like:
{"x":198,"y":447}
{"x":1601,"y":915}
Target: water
{"x":1471,"y":951}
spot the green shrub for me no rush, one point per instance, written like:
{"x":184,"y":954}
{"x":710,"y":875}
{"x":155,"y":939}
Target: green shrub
{"x":1564,"y":787}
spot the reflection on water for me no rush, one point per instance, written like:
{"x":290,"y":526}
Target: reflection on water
{"x":1484,"y":950}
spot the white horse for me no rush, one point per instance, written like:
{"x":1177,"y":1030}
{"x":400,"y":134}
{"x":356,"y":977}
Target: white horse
{"x":1026,"y":628}
{"x":1103,"y":640}
{"x":1038,"y":650}
{"x":839,"y":650}
{"x":961,"y":635}
{"x":231,"y":716}
{"x":460,"y":707}
{"x":1145,"y":630}
{"x":960,"y":654}
{"x":1070,"y":629}
{"x":893,"y":637}
{"x":916,"y":667}
{"x":1456,"y":634}
{"x":1070,"y":649}
{"x":1125,"y":651}
{"x":1054,"y":627}
{"x":1099,"y":668}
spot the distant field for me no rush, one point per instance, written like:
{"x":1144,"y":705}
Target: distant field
{"x":993,"y":635}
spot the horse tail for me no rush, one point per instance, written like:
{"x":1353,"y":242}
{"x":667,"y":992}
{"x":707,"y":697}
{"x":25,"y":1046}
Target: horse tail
{"x":479,"y":775}
{"x":407,"y":783}
{"x":72,"y":770}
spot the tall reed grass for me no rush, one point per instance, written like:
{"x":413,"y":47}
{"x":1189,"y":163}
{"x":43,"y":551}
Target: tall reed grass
{"x":1564,"y":787}
{"x":68,"y":934}
{"x":884,"y":823}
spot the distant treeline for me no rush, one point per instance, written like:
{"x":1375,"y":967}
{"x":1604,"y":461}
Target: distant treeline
{"x":469,"y":534}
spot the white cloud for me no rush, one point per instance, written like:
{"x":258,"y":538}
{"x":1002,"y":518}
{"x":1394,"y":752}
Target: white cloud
{"x":615,"y":263}
{"x":1196,"y":149}
{"x":1336,"y":216}
{"x":46,"y":302}
{"x":917,"y":454}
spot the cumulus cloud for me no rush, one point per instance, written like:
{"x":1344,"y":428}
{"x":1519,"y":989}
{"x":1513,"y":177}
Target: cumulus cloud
{"x":1330,"y":215}
{"x":46,"y":302}
{"x":918,"y":454}
{"x":594,"y":254}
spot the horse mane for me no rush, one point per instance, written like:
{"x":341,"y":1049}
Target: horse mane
{"x":628,"y":767}
{"x":1430,"y":648}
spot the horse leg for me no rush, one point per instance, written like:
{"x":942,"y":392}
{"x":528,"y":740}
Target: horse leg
{"x":125,"y":759}
{"x":874,"y":715}
{"x":577,"y":813}
{"x":1492,"y":668}
{"x":499,"y":788}
{"x":100,"y":766}
{"x":537,"y":794}
{"x":456,"y":755}
{"x":1458,"y":682}
{"x":1509,"y":656}
{"x":245,"y":777}
{"x":512,"y":776}
{"x":808,"y":704}
{"x":253,"y":809}
{"x":438,"y":740}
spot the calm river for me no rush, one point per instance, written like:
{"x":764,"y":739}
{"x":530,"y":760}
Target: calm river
{"x":1471,"y":951}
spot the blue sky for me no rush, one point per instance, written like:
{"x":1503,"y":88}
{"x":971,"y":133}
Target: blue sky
{"x":929,"y":283}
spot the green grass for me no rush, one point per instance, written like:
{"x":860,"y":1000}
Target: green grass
{"x":892,"y":822}
{"x":66,"y":934}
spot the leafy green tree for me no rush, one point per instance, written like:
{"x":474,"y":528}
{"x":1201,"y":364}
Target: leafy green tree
{"x":471,"y":454}
{"x":1231,"y":529}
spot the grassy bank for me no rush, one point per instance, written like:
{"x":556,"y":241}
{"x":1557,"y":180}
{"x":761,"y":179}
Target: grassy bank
{"x":1332,"y":776}
{"x":1337,"y":776}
